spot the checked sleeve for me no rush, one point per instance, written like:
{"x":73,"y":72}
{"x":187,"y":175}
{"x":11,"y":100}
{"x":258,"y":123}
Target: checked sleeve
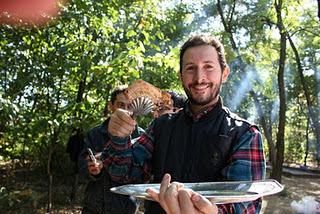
{"x":128,"y":160}
{"x":247,"y":163}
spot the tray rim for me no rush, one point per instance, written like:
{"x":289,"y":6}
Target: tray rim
{"x":218,"y":199}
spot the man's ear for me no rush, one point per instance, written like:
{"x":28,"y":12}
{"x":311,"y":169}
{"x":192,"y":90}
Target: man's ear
{"x":225,"y":74}
{"x":110,"y":107}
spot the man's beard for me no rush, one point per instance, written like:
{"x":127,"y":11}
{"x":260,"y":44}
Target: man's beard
{"x":213,"y":94}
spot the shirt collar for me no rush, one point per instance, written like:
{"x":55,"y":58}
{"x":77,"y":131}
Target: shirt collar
{"x":104,"y":126}
{"x":200,"y":115}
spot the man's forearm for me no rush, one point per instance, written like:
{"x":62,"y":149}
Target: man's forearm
{"x":127,"y":163}
{"x":252,"y":207}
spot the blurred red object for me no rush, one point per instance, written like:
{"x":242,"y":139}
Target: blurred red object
{"x":28,"y":12}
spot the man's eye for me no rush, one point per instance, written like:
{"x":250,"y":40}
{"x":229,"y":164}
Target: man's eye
{"x":208,"y":67}
{"x":120,"y":105}
{"x":190,"y":68}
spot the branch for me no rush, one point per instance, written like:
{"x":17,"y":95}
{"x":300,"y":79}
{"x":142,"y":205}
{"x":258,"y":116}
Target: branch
{"x":222,"y":16}
{"x":231,"y":13}
{"x":309,"y":30}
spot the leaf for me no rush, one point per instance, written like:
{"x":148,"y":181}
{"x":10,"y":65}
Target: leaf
{"x":131,"y":33}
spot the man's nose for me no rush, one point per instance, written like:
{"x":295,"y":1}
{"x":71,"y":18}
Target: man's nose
{"x":199,"y":76}
{"x":126,"y":107}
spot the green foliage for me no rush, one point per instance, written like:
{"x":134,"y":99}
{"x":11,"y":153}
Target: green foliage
{"x":253,"y":27}
{"x":7,"y":199}
{"x":60,"y":76}
{"x":10,"y":199}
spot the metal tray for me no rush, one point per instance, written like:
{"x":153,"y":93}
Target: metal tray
{"x":216,"y":192}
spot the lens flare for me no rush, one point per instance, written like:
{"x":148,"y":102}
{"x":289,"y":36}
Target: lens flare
{"x":28,"y":12}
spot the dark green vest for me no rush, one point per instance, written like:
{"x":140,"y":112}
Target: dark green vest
{"x":194,"y":151}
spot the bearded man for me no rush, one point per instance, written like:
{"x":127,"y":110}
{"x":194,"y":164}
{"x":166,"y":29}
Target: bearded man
{"x":204,"y":142}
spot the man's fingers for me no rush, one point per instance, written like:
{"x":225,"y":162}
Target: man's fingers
{"x":164,"y":185}
{"x":171,"y":198}
{"x":175,"y":199}
{"x":186,"y":205}
{"x":121,"y":124}
{"x":94,"y":168}
{"x":125,"y":116}
{"x":92,"y":163}
{"x":120,"y":129}
{"x":153,"y":194}
{"x":203,"y":204}
{"x":98,"y":155}
{"x":162,"y":191}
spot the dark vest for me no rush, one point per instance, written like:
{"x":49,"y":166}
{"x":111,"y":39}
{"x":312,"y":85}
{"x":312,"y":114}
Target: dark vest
{"x":194,"y":151}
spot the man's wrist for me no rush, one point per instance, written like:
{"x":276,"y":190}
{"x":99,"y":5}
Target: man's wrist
{"x":97,"y":176}
{"x":118,"y":140}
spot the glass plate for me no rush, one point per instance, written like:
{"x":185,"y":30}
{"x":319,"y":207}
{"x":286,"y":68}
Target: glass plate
{"x":216,"y":192}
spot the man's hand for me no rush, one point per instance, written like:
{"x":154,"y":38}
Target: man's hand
{"x":121,"y":123}
{"x":175,"y":199}
{"x":94,"y":167}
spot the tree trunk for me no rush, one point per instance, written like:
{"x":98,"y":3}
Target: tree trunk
{"x":277,"y":167}
{"x":53,"y":143}
{"x":49,"y":205}
{"x":312,"y":113}
{"x":79,"y":129}
{"x":307,"y":142}
{"x":226,"y":21}
{"x":52,"y":149}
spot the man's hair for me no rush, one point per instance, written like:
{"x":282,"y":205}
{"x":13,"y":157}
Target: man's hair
{"x":116,"y":91}
{"x":199,"y":40}
{"x":178,"y":99}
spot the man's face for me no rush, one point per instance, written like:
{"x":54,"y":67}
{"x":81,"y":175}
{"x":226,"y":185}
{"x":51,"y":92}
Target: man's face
{"x":202,"y":75}
{"x":120,"y":102}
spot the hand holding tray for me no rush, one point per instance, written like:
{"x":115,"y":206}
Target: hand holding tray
{"x":216,"y":192}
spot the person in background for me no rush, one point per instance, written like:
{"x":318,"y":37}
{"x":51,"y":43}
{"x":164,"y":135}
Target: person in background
{"x":178,"y":101}
{"x":74,"y":147}
{"x":204,"y":142}
{"x":98,"y":199}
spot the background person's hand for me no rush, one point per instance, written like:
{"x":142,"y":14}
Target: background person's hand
{"x":175,"y":199}
{"x":121,"y":123}
{"x":94,"y":167}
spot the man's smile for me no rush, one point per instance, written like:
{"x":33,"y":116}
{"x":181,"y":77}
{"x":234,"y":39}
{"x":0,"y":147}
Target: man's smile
{"x":200,"y":88}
